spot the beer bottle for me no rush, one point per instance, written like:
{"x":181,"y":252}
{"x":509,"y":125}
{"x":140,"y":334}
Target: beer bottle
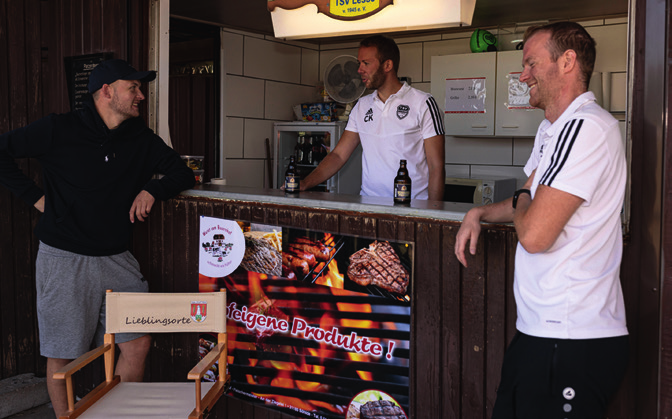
{"x":308,"y":154}
{"x":291,"y":177}
{"x":298,"y":148}
{"x":402,"y":185}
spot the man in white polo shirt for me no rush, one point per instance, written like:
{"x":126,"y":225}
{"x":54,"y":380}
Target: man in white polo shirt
{"x":570,"y":353}
{"x":396,"y":122}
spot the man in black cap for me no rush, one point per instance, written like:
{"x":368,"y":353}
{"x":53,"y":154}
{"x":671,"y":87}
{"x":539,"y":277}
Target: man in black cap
{"x":97,"y":171}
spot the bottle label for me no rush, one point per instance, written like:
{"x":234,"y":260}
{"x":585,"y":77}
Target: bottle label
{"x":291,"y":184}
{"x":402,"y":191}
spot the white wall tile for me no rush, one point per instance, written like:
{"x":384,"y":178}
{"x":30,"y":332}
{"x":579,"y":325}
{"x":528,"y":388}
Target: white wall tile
{"x":256,"y":132}
{"x":589,"y":23}
{"x":476,"y":150}
{"x":425,"y":87}
{"x":431,"y":49}
{"x":414,"y":39}
{"x":245,"y":33}
{"x":233,"y":53}
{"x":458,"y":170}
{"x":245,"y":172}
{"x":310,"y":67}
{"x":244,"y":97}
{"x":302,"y":44}
{"x":233,"y":137}
{"x":272,"y":60}
{"x":281,"y":97}
{"x":410,"y":64}
{"x":611,"y":45}
{"x":616,"y":21}
{"x":344,"y":45}
{"x":522,"y":148}
{"x":458,"y":34}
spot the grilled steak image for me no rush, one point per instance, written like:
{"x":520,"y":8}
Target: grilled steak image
{"x":381,"y":409}
{"x":378,"y":265}
{"x":260,"y":256}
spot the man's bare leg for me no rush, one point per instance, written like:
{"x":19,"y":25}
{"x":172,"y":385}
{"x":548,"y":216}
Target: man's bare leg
{"x":132,"y":356}
{"x":56,"y":388}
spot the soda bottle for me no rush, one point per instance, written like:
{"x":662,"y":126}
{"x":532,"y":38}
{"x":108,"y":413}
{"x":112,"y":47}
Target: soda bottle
{"x":291,"y":177}
{"x":402,"y":185}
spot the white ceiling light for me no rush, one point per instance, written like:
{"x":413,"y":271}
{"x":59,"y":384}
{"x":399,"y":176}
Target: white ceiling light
{"x":305,"y":21}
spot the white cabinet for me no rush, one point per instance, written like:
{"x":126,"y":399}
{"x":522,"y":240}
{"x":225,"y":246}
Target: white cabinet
{"x":481,"y":95}
{"x":513,"y":114}
{"x":455,"y":80}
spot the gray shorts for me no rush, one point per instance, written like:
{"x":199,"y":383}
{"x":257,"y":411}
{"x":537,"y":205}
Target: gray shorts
{"x":71,"y":298}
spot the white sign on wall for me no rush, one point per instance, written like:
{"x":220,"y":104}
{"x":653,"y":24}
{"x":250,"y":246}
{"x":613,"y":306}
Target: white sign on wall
{"x":465,"y":95}
{"x":222,"y":247}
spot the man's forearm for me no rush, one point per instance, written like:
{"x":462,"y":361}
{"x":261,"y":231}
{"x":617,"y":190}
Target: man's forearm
{"x":499,"y":212}
{"x":437,"y":181}
{"x":325,"y":170}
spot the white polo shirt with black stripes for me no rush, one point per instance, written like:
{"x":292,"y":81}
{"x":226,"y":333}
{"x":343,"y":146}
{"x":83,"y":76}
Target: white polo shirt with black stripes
{"x":572,"y":290}
{"x":394,"y":131}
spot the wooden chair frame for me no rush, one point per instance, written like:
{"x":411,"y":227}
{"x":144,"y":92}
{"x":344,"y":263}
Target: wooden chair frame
{"x":203,"y":404}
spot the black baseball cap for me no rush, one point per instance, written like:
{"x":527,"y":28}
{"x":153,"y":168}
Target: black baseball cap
{"x":107,"y":72}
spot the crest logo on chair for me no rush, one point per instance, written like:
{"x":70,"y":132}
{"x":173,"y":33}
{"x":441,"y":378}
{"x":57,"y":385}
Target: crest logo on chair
{"x":199,"y":311}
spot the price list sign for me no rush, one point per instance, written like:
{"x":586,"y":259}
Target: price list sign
{"x":77,"y":70}
{"x":465,"y":95}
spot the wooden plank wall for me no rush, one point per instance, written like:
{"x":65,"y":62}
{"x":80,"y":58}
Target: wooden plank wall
{"x":462,"y":319}
{"x":35,"y":37}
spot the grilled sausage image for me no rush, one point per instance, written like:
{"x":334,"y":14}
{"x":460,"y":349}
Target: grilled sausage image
{"x":319,"y":250}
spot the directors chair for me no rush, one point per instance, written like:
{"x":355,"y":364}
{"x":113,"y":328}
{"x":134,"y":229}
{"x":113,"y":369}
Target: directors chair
{"x":154,"y":313}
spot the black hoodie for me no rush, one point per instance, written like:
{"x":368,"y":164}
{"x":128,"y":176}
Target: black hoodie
{"x":91,"y":176}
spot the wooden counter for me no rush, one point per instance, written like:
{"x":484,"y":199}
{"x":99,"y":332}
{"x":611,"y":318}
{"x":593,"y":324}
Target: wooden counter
{"x":462,"y":319}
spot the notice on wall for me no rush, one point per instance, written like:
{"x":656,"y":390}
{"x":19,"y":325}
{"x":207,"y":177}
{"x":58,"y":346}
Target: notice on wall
{"x":317,"y":326}
{"x":465,"y":95}
{"x":77,"y":70}
{"x":519,"y":93}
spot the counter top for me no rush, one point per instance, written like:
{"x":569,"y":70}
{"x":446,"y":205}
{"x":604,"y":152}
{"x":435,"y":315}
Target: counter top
{"x":450,"y":211}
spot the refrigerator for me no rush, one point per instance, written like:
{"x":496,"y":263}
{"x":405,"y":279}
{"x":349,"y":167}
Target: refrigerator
{"x":286,"y":136}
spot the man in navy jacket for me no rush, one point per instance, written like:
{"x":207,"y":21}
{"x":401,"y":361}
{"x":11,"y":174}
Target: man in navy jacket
{"x":98,"y":167}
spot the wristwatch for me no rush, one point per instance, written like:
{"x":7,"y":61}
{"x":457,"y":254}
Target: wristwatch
{"x":517,"y":194}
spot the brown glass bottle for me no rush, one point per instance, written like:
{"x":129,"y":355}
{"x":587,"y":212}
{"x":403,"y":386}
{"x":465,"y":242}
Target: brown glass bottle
{"x":291,"y":177}
{"x":402,"y":185}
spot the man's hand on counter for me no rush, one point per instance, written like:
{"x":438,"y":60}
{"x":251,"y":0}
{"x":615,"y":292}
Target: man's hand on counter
{"x":142,"y":205}
{"x":469,"y":231}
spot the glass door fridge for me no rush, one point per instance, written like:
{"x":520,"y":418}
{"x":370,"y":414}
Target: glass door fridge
{"x":309,"y":143}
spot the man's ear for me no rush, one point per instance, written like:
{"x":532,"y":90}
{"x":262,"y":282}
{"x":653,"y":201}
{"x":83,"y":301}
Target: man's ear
{"x":106,"y":91}
{"x":388,"y":65}
{"x":569,"y":61}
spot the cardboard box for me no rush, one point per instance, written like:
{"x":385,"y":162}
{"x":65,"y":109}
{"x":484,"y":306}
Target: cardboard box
{"x":319,"y":112}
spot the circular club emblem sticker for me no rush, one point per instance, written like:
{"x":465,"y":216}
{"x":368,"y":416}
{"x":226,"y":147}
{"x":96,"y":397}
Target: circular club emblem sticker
{"x":568,"y":393}
{"x":222,"y":247}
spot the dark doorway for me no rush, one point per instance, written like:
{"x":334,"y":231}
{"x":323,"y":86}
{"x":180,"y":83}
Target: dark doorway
{"x":194,"y":93}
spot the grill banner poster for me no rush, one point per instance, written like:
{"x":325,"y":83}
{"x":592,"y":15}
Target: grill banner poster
{"x":318,"y":323}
